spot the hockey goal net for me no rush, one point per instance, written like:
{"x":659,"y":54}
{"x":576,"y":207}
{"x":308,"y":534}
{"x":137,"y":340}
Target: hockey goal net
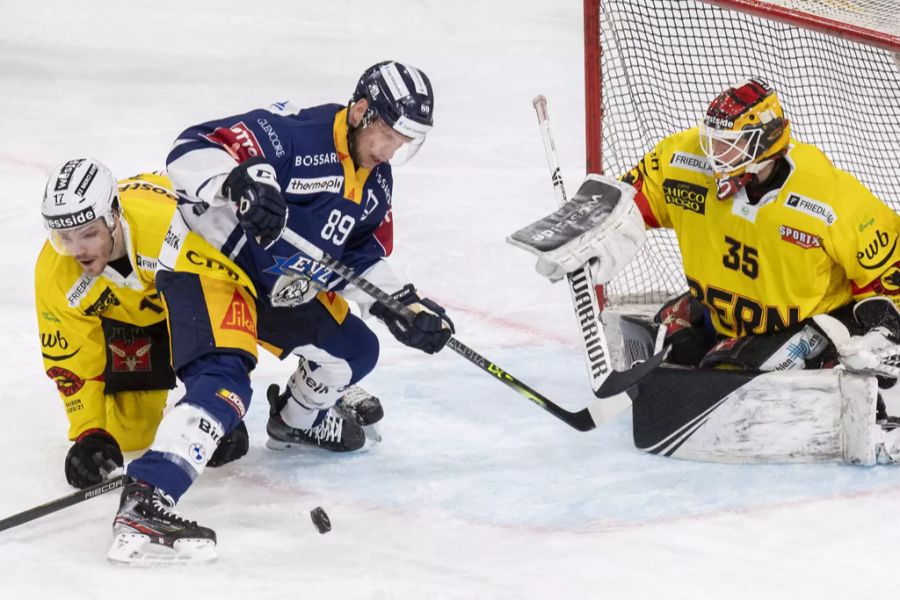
{"x":652,"y":67}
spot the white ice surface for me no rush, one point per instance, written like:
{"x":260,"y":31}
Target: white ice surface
{"x":475,"y":492}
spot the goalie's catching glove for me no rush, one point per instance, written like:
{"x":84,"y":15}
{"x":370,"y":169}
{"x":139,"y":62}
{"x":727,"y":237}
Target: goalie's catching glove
{"x":93,"y":456}
{"x":429,"y":331}
{"x":261,"y":210}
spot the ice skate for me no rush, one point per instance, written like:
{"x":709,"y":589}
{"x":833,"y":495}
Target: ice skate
{"x":146,"y":531}
{"x":359,"y":405}
{"x":333,"y":433}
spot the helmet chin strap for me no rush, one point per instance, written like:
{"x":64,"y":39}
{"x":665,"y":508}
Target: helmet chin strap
{"x":353,"y":131}
{"x":116,"y":228}
{"x":729,"y":186}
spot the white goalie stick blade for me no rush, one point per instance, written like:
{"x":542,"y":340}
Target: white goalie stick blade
{"x":836,"y":331}
{"x":138,"y":550}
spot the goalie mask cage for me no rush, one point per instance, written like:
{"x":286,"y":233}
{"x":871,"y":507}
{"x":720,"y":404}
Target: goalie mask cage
{"x":653,"y":66}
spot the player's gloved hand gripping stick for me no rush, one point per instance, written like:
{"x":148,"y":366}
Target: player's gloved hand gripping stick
{"x":616,"y":383}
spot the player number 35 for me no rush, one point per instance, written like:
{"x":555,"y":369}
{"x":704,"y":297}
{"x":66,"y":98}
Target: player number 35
{"x":741,"y":257}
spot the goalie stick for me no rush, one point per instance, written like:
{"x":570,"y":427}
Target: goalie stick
{"x":616,"y":382}
{"x":584,"y":294}
{"x":61,"y":503}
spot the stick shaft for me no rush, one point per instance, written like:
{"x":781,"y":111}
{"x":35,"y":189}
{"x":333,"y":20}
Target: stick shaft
{"x":61,"y":503}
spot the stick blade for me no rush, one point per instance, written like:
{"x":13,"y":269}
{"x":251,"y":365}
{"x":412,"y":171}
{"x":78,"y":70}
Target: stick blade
{"x":621,"y":381}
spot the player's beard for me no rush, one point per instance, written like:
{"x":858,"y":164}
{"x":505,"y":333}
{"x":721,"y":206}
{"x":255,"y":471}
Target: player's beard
{"x":352,"y":134}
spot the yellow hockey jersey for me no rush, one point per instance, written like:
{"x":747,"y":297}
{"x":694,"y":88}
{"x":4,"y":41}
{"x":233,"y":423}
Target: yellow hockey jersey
{"x":807,"y":248}
{"x":106,"y":335}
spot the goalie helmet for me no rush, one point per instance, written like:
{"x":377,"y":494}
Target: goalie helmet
{"x":743,"y":129}
{"x":399,"y":95}
{"x":78,"y":192}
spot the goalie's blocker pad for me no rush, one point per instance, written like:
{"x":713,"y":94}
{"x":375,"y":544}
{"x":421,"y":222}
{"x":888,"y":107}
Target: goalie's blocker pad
{"x":591,"y":205}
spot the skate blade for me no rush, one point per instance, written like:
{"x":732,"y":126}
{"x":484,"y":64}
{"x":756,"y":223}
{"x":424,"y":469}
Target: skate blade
{"x":136,"y":550}
{"x":303,"y":448}
{"x":373,"y":433}
{"x":273,"y":444}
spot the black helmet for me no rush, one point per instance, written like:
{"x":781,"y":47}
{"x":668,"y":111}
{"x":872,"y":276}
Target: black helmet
{"x":400,"y":95}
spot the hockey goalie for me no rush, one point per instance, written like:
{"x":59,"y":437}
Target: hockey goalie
{"x":789,"y":333}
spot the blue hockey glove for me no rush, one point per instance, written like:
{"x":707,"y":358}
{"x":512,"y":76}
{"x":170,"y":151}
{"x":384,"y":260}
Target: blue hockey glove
{"x":91,"y":458}
{"x":429,"y":331}
{"x":261,"y":210}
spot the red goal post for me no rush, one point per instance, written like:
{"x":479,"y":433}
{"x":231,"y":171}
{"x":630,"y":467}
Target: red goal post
{"x":651,"y":67}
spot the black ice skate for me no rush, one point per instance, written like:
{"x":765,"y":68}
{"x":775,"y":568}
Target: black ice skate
{"x":335,"y":433}
{"x":359,"y":405}
{"x":146,"y":531}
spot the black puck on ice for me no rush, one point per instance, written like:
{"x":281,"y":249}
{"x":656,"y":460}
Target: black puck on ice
{"x":320,"y":519}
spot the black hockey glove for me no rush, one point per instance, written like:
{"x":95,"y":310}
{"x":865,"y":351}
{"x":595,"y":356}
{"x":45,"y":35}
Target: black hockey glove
{"x":232,"y":447}
{"x":431,"y":328}
{"x":261,"y":210}
{"x":91,"y":458}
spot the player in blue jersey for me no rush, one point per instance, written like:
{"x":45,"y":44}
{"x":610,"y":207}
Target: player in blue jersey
{"x":324,"y":173}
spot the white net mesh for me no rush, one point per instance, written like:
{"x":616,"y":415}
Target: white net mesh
{"x":663,"y":61}
{"x":879,"y":16}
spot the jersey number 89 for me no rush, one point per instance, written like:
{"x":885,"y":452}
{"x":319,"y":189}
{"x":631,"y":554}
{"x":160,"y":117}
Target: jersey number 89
{"x":338,"y":227}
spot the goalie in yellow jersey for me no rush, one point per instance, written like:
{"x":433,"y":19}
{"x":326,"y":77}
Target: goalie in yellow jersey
{"x":102,"y":323}
{"x":771,"y":235}
{"x":790,"y":262}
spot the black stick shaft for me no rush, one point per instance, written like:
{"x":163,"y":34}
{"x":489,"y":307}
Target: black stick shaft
{"x":581,"y":420}
{"x":61,"y":503}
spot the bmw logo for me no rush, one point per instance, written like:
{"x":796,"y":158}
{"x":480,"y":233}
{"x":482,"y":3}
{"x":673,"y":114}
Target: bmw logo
{"x":198,"y":453}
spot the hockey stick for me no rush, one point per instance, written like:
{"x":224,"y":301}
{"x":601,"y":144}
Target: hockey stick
{"x":60,"y":503}
{"x":616,"y":383}
{"x":583,"y":292}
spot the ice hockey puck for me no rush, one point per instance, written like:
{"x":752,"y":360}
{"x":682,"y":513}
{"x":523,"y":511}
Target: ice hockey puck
{"x":320,"y":519}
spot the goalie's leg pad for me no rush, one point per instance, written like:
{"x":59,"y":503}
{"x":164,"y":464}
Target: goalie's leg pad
{"x":733,"y":417}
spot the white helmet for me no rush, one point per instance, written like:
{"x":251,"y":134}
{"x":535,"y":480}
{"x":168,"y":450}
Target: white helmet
{"x":79,"y":192}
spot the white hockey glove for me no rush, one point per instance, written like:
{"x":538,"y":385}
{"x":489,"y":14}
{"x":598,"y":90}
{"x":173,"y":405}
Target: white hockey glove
{"x":867,"y":353}
{"x":875,"y":352}
{"x":601,"y":224}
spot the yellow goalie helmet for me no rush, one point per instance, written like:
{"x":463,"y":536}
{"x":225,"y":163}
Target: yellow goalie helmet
{"x":743,"y":129}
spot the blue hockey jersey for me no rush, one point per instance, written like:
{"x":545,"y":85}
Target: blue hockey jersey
{"x":342,"y":209}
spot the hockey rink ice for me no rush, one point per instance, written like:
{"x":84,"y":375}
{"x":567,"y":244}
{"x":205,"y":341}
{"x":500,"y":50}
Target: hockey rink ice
{"x":475,"y":493}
